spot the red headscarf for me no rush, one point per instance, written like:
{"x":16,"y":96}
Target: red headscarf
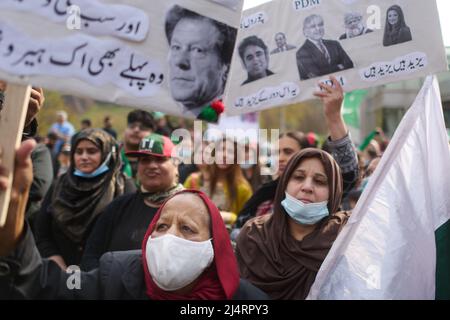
{"x":220,"y":280}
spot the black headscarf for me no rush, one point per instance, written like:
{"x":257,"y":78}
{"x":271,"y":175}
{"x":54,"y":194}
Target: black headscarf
{"x":77,"y":201}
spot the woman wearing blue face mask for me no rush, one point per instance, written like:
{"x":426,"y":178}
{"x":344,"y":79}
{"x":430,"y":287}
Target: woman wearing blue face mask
{"x":77,"y":198}
{"x":282,"y":253}
{"x":338,"y":144}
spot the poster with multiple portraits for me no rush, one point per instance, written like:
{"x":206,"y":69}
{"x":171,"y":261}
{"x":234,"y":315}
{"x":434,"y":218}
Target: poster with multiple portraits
{"x":173,"y":55}
{"x":242,"y":127}
{"x":286,"y":47}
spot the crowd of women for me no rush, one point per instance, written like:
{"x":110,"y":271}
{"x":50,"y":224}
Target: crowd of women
{"x":140,"y":225}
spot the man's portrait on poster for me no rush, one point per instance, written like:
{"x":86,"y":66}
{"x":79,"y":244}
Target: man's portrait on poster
{"x":255,"y":58}
{"x":354,"y":26}
{"x":282,"y":45}
{"x":200,"y":51}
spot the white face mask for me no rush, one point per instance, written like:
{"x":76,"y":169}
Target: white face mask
{"x":175,"y":262}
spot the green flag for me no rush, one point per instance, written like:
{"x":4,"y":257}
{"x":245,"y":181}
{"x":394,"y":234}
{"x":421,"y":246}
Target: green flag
{"x":367,"y":140}
{"x":352,"y":102}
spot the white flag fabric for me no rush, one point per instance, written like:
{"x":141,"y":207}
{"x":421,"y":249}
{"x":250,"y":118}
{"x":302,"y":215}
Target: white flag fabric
{"x":388,"y":248}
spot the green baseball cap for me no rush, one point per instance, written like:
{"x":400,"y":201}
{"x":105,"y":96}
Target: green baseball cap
{"x":153,"y":145}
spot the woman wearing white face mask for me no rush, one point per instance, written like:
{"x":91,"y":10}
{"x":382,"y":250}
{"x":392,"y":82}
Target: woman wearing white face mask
{"x":186,"y":254}
{"x":282,"y":253}
{"x":189,"y":255}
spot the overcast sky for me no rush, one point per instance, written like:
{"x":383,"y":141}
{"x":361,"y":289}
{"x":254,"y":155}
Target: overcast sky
{"x":443,"y":5}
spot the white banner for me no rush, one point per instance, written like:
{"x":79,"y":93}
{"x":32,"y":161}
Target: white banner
{"x":284,"y":48}
{"x":173,"y":56}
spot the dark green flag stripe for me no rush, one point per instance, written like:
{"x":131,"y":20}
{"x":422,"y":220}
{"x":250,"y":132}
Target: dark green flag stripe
{"x":442,"y":235}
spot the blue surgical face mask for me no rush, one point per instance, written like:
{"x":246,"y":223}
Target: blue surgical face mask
{"x":305,"y":213}
{"x":101,"y":169}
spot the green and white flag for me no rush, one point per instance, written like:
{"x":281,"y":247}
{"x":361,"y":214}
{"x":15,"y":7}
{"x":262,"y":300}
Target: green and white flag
{"x":352,"y":104}
{"x":396,"y":244}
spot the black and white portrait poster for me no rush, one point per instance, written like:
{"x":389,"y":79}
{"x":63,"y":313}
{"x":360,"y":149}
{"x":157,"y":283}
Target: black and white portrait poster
{"x":286,"y":47}
{"x":173,"y":55}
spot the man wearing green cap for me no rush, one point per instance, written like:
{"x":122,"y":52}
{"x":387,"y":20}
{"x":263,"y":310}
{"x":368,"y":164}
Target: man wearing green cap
{"x":123,"y":223}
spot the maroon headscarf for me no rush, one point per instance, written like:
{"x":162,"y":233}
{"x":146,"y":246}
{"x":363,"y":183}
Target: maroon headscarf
{"x":220,"y":280}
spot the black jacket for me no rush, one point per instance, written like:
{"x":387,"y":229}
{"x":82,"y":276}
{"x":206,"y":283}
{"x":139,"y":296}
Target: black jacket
{"x":121,"y":227}
{"x":25,"y":275}
{"x":42,"y":180}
